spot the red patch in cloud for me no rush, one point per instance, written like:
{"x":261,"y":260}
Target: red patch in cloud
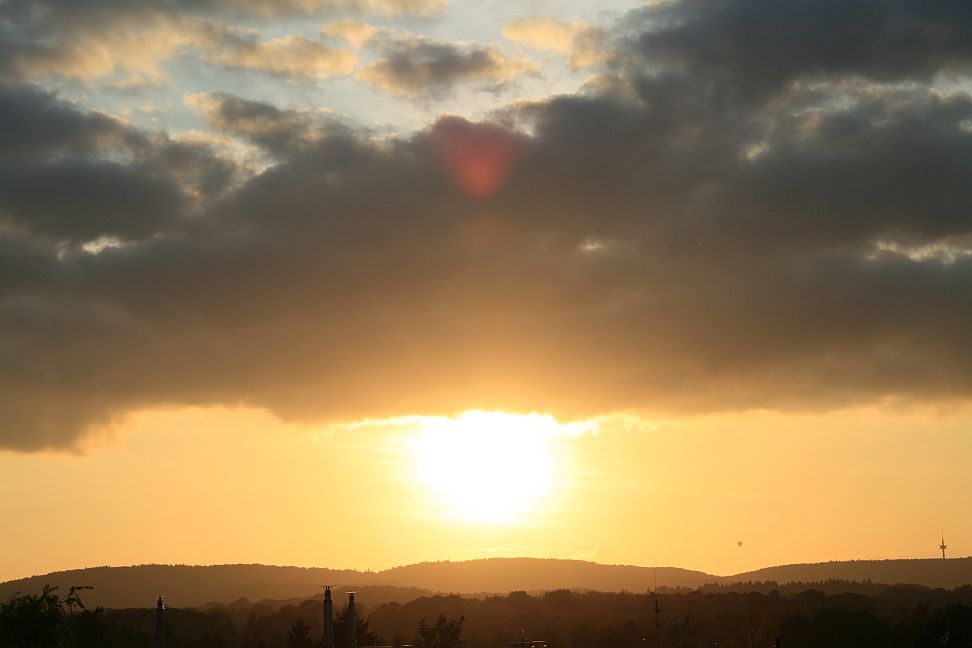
{"x":478,"y":157}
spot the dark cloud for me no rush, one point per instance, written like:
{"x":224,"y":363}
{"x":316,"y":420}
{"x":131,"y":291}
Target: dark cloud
{"x":75,"y":177}
{"x":759,"y":45}
{"x":419,"y":67}
{"x":669,"y":243}
{"x":38,"y":126}
{"x":80,"y":200}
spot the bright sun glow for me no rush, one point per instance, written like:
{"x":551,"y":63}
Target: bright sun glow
{"x":491,"y":467}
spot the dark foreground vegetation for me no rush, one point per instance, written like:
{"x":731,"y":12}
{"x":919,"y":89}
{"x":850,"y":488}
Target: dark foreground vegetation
{"x":831,"y":615}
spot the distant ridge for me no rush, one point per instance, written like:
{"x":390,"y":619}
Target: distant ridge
{"x":194,"y":586}
{"x":501,"y":575}
{"x":930,"y":572}
{"x":188,"y":585}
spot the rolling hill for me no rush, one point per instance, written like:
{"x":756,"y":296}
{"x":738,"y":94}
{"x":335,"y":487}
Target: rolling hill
{"x":533,"y":574}
{"x":193,"y":586}
{"x":933,"y":572}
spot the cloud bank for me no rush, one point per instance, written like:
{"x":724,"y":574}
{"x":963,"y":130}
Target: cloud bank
{"x":786,"y":224}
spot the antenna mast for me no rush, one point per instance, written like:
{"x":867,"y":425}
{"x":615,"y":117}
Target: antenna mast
{"x":658,"y":609}
{"x":160,"y":623}
{"x":943,"y":546}
{"x":658,"y":612}
{"x":352,"y":621}
{"x":328,"y":618}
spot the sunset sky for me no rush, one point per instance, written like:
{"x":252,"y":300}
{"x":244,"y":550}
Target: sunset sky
{"x":363,"y":283}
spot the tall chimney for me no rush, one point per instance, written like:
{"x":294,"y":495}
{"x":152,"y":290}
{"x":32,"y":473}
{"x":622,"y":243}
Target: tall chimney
{"x":352,"y":622}
{"x":328,"y":618}
{"x":160,"y":624}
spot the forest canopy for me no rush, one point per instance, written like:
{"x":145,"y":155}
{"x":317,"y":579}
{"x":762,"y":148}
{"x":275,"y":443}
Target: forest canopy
{"x":744,"y":617}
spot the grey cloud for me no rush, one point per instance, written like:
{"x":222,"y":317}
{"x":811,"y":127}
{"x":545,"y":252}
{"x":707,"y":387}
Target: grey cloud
{"x":74,"y":176}
{"x":133,"y":41}
{"x":99,"y":9}
{"x":38,"y":125}
{"x":419,"y":67}
{"x":678,"y":246}
{"x":757,"y":46}
{"x":79,"y":200}
{"x":87,"y":41}
{"x":294,"y":56}
{"x":899,"y":172}
{"x":277,"y":130}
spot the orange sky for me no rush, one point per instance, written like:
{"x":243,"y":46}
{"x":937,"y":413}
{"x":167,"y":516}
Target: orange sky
{"x":272,"y":247}
{"x":204,"y":486}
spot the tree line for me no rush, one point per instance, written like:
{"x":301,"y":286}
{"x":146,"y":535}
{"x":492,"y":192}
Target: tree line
{"x":49,"y":620}
{"x":882,"y":616}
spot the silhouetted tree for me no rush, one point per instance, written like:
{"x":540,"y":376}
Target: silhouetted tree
{"x":45,"y":620}
{"x":951,"y":626}
{"x":442,"y":634}
{"x":366,"y":637}
{"x":299,"y":635}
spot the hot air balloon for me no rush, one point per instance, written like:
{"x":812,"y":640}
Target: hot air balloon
{"x":739,"y":543}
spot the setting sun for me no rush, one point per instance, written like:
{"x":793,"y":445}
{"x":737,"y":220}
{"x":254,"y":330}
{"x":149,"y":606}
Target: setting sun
{"x":489,"y":467}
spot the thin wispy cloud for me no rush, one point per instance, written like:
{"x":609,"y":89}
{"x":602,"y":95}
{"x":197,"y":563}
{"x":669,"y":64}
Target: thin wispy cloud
{"x":583,"y":45}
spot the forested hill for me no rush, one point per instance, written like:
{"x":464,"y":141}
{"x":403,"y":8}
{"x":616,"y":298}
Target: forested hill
{"x":193,"y":586}
{"x":949,"y":574}
{"x":503,"y":575}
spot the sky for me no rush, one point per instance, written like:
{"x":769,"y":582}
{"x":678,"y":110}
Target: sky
{"x":364,"y":283}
